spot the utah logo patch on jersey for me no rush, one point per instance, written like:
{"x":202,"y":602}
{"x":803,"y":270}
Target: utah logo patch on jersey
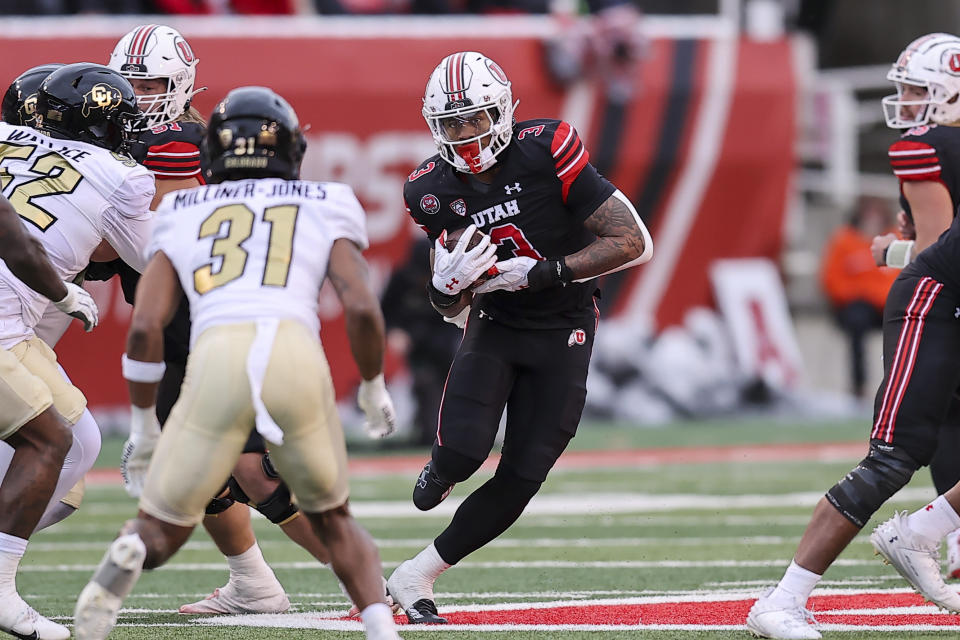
{"x":430,"y":203}
{"x":459,"y":207}
{"x":577,"y":336}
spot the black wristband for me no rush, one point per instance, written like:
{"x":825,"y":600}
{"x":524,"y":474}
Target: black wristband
{"x":549,"y":273}
{"x":441,"y":300}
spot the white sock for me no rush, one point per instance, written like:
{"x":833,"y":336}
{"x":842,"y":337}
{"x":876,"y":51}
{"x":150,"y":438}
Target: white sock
{"x":795,"y":586}
{"x":429,"y":563}
{"x":377,"y":619}
{"x":250,"y":566}
{"x":12,"y":549}
{"x":935,"y":520}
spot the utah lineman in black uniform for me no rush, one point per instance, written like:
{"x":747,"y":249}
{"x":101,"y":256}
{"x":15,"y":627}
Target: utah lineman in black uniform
{"x":921,"y":343}
{"x":556,"y":225}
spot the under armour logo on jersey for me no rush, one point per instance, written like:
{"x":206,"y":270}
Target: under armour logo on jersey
{"x":514,"y":189}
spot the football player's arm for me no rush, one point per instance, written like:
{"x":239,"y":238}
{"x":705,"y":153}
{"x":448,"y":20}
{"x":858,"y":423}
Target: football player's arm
{"x":158,"y":295}
{"x":622,"y":240}
{"x":365,"y":327}
{"x":347,"y":272}
{"x":166,"y":186}
{"x":25,"y":256}
{"x":932,"y":210}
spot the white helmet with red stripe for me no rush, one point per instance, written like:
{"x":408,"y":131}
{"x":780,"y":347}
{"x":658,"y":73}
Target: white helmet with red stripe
{"x":931,"y":62}
{"x":469,"y":107}
{"x":154,"y":51}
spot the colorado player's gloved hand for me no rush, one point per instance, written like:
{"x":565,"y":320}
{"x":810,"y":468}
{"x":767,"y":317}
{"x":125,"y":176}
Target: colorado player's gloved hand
{"x":79,"y":304}
{"x":454,"y":271}
{"x":138,"y":449}
{"x":377,"y":405}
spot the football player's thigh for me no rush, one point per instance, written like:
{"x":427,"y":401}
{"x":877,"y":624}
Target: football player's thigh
{"x":545,"y":406}
{"x":477,"y":388}
{"x":40,"y":360}
{"x":23,"y":396}
{"x":298,"y":393}
{"x":207,"y":428}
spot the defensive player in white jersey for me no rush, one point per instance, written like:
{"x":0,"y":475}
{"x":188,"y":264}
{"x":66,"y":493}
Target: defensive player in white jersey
{"x":250,"y":251}
{"x":71,"y":189}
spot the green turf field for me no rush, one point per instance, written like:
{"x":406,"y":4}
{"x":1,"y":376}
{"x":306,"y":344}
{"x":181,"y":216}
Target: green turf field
{"x":677,"y":547}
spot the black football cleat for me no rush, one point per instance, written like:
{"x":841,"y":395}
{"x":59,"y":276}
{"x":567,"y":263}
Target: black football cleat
{"x":424,"y":612}
{"x":430,"y":490}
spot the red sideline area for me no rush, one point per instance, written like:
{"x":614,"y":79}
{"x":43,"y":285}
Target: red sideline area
{"x":373,"y":466}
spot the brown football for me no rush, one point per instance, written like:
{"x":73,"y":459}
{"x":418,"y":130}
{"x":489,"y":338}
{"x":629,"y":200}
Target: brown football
{"x":454,"y":236}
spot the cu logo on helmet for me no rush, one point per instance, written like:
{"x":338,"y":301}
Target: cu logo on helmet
{"x":101,"y":96}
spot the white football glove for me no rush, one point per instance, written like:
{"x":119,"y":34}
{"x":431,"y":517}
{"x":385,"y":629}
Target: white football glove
{"x":79,"y":304}
{"x":454,"y":271}
{"x":138,"y":449}
{"x":511,"y":275}
{"x":377,"y":405}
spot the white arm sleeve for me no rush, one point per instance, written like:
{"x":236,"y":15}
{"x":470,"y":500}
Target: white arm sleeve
{"x":647,"y":240}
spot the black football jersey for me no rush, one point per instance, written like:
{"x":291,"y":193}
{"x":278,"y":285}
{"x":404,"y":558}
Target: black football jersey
{"x":171,"y":151}
{"x":545,"y":188}
{"x":928,"y":152}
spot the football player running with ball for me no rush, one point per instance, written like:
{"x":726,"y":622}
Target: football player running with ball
{"x":555,"y":224}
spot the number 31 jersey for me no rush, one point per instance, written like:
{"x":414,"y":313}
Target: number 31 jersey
{"x":258,"y":248}
{"x":544,"y":189}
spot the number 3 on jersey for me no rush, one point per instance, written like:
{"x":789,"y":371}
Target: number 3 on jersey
{"x":233,"y":257}
{"x":521,"y":246}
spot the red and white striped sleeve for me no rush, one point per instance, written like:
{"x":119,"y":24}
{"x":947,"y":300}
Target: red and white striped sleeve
{"x":174,"y":160}
{"x":569,"y":155}
{"x":912,"y":160}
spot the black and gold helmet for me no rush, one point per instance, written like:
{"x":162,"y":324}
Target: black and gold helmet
{"x":90,"y":103}
{"x":20,"y":101}
{"x":252,"y":133}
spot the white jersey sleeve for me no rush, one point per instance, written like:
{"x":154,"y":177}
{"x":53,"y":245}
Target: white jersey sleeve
{"x":346,"y":218}
{"x":128,"y":222}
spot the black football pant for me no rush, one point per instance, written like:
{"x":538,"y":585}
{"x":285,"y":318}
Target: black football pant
{"x":921,"y":352}
{"x":540,"y":376}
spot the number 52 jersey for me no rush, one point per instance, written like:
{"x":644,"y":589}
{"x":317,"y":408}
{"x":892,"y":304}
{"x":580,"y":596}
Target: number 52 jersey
{"x":70,"y":196}
{"x":258,"y":248}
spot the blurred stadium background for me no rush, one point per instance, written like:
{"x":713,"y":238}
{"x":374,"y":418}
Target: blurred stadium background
{"x":745,"y":131}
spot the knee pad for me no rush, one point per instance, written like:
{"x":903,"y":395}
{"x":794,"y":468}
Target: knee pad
{"x":218,"y":505}
{"x":864,"y":489}
{"x":452,"y":466}
{"x":278,"y":508}
{"x":267,"y":465}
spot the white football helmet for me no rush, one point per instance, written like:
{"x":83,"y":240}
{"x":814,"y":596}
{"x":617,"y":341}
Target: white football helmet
{"x":154,"y":51}
{"x":469,"y":92}
{"x":931,"y":62}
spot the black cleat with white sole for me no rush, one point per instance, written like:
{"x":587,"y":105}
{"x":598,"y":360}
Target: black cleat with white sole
{"x":424,"y":612}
